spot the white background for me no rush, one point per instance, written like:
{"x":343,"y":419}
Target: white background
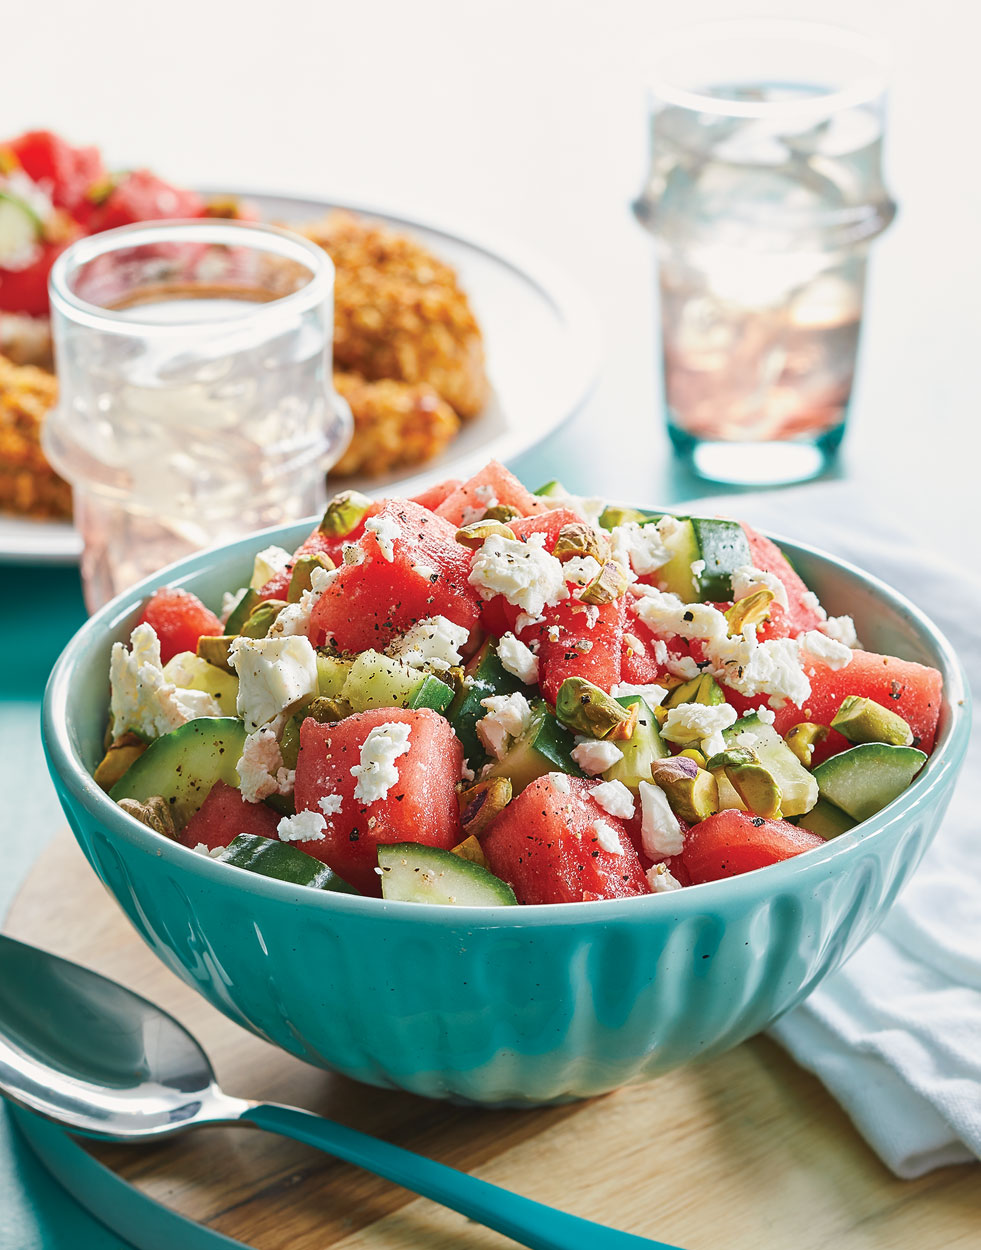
{"x":525,"y":118}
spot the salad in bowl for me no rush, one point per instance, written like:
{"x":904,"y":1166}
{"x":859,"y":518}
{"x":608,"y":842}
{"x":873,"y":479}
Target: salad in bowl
{"x":483,"y":696}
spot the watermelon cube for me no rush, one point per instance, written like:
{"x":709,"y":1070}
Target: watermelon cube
{"x":492,"y":485}
{"x":223,"y":815}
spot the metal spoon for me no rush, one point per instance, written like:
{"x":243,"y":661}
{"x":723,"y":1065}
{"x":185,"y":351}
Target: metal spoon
{"x":87,"y":1053}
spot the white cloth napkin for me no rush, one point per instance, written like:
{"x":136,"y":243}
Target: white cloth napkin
{"x":895,"y":1034}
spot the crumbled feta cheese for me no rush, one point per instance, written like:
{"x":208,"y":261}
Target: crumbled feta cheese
{"x":594,"y":756}
{"x":661,"y":879}
{"x":634,"y":644}
{"x":660,"y":832}
{"x":747,"y":738}
{"x":652,"y":695}
{"x":581,"y":570}
{"x":525,"y":620}
{"x":639,"y":548}
{"x":554,"y":633}
{"x":508,"y":716}
{"x":273,"y":674}
{"x":841,"y":629}
{"x":772,"y":667}
{"x":668,"y":527}
{"x":426,"y":571}
{"x":661,"y":655}
{"x":524,"y":573}
{"x":516,"y":658}
{"x":668,"y":614}
{"x":143,"y":699}
{"x":766,"y":715}
{"x":321,"y":578}
{"x":295,"y":617}
{"x":681,"y":666}
{"x":303,"y":827}
{"x":352,"y":553}
{"x":831,"y":652}
{"x":697,"y":569}
{"x":212,"y":852}
{"x":699,"y":722}
{"x":331,"y":804}
{"x":261,"y":770}
{"x":810,"y":601}
{"x":746,"y":580}
{"x":614,"y":798}
{"x":485,"y":499}
{"x":592,"y":615}
{"x":230,"y":600}
{"x":607,"y":837}
{"x":267,"y":563}
{"x":376,"y":773}
{"x":560,"y":783}
{"x":386,"y":530}
{"x":434,"y":642}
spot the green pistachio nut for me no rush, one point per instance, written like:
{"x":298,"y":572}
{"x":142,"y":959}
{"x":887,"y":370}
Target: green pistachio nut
{"x":482,"y":803}
{"x":502,"y":512}
{"x":215,"y":650}
{"x":580,"y":539}
{"x":262,"y":618}
{"x":327,"y":710}
{"x":864,"y":720}
{"x":702,"y":689}
{"x":751,"y":610}
{"x":154,"y":812}
{"x":118,"y":757}
{"x":471,"y":849}
{"x":586,"y":709}
{"x":344,"y":512}
{"x":613,"y":515}
{"x":607,"y":586}
{"x":692,"y":792}
{"x":303,"y":572}
{"x":289,"y":742}
{"x":755,"y":784}
{"x":803,"y":738}
{"x":476,"y":535}
{"x":241,"y":612}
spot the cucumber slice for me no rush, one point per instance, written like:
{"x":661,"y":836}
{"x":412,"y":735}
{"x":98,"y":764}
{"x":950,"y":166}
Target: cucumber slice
{"x":20,"y":228}
{"x":376,"y":680}
{"x":545,"y":747}
{"x":191,"y":672}
{"x":640,"y":750}
{"x":242,"y":611}
{"x":798,"y":787}
{"x":432,"y":693}
{"x":271,"y":858}
{"x":866,"y":778}
{"x":411,"y":873}
{"x":183,"y":765}
{"x":720,"y":545}
{"x":551,"y":489}
{"x":826,"y":820}
{"x":485,"y":676}
{"x":332,"y":673}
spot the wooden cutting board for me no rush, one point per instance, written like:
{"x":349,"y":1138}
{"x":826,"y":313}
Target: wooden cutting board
{"x":745,"y":1152}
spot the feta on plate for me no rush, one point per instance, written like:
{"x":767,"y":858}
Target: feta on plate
{"x":661,"y":879}
{"x":833,"y":653}
{"x":614,"y":798}
{"x":261,"y":771}
{"x":376,"y":773}
{"x":386,"y":530}
{"x":841,"y":629}
{"x":303,"y":827}
{"x":273,"y":674}
{"x":772,"y":667}
{"x":508,"y":716}
{"x":689,"y":723}
{"x":518,"y":659}
{"x":434,"y":642}
{"x":267,"y":563}
{"x":142,"y":698}
{"x":660,"y":832}
{"x":524,"y":573}
{"x":639,"y":547}
{"x":746,"y":580}
{"x":607,"y":837}
{"x":594,"y":756}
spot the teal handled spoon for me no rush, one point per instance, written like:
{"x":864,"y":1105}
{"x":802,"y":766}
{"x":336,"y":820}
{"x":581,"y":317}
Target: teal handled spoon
{"x":91,"y":1055}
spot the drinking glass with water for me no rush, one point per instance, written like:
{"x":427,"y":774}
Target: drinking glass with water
{"x":765,"y":190}
{"x":196,"y":398}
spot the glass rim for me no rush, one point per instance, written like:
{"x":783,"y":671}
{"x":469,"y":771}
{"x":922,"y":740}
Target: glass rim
{"x":865,"y":88}
{"x":261,"y":236}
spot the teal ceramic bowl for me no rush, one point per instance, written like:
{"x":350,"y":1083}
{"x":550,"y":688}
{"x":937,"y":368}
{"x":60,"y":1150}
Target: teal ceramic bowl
{"x":499,"y":1005}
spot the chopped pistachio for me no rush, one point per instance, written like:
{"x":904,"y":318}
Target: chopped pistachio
{"x":586,"y":709}
{"x":614,"y":515}
{"x":215,"y":650}
{"x":803,"y":738}
{"x":344,"y":513}
{"x":607,"y":586}
{"x":482,"y":803}
{"x":692,"y":753}
{"x":625,"y":730}
{"x":692,"y":792}
{"x":303,"y":571}
{"x":476,"y":534}
{"x":751,"y":610}
{"x":754,"y":783}
{"x":120,"y":754}
{"x":701,"y":689}
{"x":261,"y":619}
{"x":289,"y":742}
{"x":471,"y":849}
{"x":501,"y":512}
{"x":864,"y":720}
{"x":155,"y":813}
{"x":327,"y":710}
{"x":580,"y":539}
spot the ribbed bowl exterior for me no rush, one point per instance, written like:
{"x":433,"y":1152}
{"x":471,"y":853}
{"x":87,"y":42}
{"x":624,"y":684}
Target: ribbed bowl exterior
{"x":499,"y":1005}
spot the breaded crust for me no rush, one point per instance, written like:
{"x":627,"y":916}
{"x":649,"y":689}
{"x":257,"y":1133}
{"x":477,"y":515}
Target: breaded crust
{"x":396,"y":424}
{"x":28,"y":484}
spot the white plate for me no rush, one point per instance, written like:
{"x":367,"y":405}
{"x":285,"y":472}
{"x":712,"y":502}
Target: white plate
{"x":542,"y":347}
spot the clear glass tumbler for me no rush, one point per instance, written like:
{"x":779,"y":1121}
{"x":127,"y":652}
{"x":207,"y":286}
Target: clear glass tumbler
{"x":196,"y":400}
{"x":765,"y":190}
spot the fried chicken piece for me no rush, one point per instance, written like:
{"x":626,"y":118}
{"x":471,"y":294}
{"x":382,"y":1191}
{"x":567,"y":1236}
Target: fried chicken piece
{"x":395,"y":425}
{"x":399,"y":312}
{"x":28,"y":484}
